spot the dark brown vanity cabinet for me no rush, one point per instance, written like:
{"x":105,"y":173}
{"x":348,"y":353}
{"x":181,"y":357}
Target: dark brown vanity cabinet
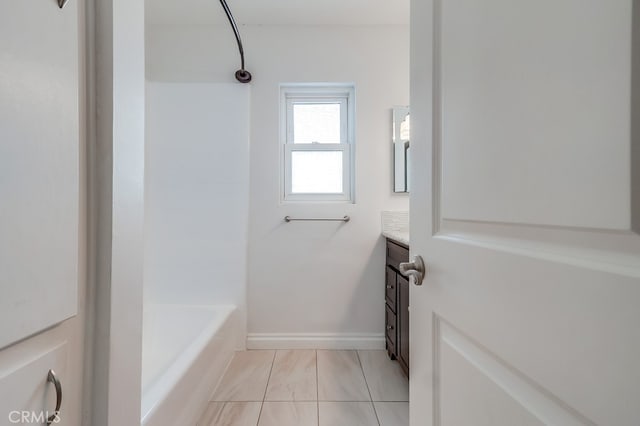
{"x":397,"y":305}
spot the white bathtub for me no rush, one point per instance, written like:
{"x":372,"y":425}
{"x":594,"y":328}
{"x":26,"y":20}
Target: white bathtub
{"x":185,"y":350}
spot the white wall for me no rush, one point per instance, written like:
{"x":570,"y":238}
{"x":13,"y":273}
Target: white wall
{"x":319,"y":280}
{"x":196,"y":193}
{"x":117,"y":209}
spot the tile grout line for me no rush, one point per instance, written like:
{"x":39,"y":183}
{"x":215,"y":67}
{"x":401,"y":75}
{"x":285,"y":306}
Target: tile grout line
{"x":224,"y":403}
{"x":317,"y":392}
{"x":366,"y":382}
{"x":273,"y":361}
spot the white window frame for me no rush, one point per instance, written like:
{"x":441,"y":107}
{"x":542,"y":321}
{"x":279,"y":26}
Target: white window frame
{"x":343,"y":94}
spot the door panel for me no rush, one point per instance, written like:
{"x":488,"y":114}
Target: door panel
{"x":463,"y":378}
{"x":468,"y":370}
{"x":39,"y":166}
{"x":521,"y":208}
{"x":528,"y":99}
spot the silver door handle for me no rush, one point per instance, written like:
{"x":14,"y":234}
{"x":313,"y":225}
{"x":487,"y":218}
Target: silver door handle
{"x":415,"y":269}
{"x":61,"y":3}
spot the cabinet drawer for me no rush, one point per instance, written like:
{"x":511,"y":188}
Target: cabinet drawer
{"x":396,"y":254}
{"x":23,"y":380}
{"x":391,"y":288}
{"x":391,"y":327}
{"x":391,"y":350}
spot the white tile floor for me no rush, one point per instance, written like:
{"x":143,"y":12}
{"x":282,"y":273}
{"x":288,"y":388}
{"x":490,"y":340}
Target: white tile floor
{"x":309,"y":387}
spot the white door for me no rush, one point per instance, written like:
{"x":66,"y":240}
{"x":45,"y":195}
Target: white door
{"x":525,"y":206}
{"x":40,"y":211}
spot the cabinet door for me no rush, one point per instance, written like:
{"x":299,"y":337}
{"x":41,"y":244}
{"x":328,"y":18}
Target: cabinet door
{"x":403,"y":322}
{"x":396,"y":254}
{"x":39,"y":166}
{"x":40,"y":205}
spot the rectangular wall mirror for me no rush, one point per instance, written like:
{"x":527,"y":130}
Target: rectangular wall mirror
{"x":401,"y":137}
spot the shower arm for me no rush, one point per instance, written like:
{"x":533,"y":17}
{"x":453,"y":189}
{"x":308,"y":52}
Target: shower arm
{"x":242,"y":75}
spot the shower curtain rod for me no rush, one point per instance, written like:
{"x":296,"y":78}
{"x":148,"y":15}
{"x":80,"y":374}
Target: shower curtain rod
{"x":242,"y":75}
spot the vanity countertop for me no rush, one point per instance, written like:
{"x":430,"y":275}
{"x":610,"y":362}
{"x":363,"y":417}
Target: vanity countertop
{"x":401,"y":237}
{"x":395,"y":226}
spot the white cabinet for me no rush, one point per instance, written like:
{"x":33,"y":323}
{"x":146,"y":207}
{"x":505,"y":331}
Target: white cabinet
{"x":40,"y":199}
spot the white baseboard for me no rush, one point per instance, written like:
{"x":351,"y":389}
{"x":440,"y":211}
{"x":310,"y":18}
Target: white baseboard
{"x":362,"y":341}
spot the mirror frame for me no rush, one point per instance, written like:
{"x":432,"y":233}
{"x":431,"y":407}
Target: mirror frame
{"x":401,"y":145}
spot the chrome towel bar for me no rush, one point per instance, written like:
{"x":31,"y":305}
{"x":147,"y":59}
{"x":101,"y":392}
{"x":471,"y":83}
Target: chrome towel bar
{"x":340,"y":219}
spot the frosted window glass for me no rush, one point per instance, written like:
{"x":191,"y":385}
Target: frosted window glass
{"x":316,"y":123}
{"x":316,"y":172}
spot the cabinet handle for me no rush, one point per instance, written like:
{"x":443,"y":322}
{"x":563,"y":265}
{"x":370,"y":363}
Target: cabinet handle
{"x":389,"y":327}
{"x":389,"y":287}
{"x":61,"y":3}
{"x":52,"y":378}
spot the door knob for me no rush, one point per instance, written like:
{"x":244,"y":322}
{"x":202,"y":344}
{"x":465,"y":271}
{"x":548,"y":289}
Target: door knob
{"x":415,"y":269}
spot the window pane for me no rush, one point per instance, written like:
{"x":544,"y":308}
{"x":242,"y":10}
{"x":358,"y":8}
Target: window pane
{"x":316,"y":172}
{"x":316,"y":123}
